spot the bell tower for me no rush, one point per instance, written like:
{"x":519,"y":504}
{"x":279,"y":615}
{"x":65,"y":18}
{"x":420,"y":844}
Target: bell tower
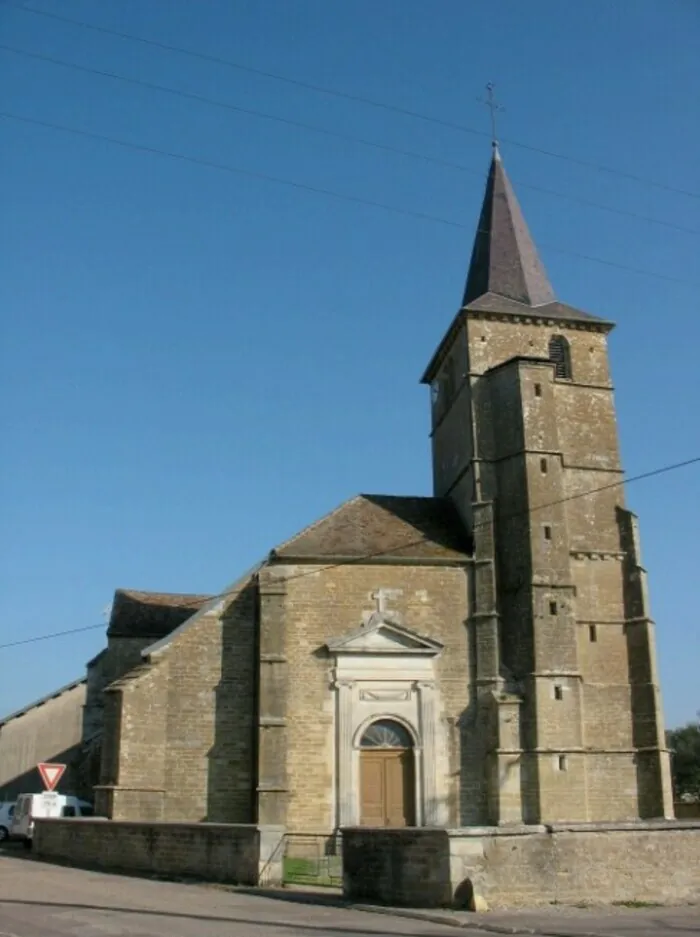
{"x":524,"y":442}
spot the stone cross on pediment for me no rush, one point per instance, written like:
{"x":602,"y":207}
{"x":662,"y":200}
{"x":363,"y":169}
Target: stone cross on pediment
{"x":381,"y":612}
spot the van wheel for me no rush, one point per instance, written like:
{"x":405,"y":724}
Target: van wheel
{"x":3,"y":834}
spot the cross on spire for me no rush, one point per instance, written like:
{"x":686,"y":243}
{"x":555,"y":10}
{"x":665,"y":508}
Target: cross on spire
{"x":493,"y":106}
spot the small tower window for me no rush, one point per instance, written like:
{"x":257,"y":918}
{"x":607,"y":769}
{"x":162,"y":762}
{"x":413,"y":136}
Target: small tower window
{"x":558,"y":692}
{"x":543,"y":466}
{"x":592,"y":633}
{"x":538,"y":390}
{"x":560,"y":356}
{"x":552,"y":607}
{"x":562,"y":763}
{"x":547,"y":532}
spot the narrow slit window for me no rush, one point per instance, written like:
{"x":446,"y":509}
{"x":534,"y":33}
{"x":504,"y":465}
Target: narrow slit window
{"x":547,"y":532}
{"x":560,"y":356}
{"x":592,"y":634}
{"x":538,"y":390}
{"x":562,"y":763}
{"x":543,"y":466}
{"x":552,"y":607}
{"x":558,"y":692}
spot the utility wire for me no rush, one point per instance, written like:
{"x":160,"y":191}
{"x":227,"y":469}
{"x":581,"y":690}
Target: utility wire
{"x":405,"y":544}
{"x":317,"y":190}
{"x":359,"y":99}
{"x":47,"y":637}
{"x":252,"y":112}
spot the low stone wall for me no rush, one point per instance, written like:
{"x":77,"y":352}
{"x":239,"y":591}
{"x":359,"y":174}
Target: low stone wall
{"x":685,"y":811}
{"x":408,"y":867}
{"x":238,"y":854}
{"x":524,"y":866}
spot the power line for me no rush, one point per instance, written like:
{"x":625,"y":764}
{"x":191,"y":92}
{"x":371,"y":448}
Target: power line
{"x":317,"y":190}
{"x":252,"y":112}
{"x":410,"y":543}
{"x":359,"y":99}
{"x":47,"y":637}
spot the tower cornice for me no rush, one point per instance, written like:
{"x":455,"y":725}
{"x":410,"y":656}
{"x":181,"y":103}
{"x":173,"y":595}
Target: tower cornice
{"x":552,"y":315}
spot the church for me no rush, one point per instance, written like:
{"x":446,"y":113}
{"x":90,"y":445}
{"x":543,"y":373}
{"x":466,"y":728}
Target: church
{"x":484,"y":656}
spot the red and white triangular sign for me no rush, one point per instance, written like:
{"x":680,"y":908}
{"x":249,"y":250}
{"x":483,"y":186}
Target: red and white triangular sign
{"x":51,"y":774}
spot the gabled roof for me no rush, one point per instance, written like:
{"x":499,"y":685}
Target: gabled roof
{"x":381,"y":528}
{"x":150,"y":614}
{"x":213,"y":605}
{"x":504,"y":257}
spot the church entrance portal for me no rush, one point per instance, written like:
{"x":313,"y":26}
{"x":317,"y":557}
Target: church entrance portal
{"x":387,"y":776}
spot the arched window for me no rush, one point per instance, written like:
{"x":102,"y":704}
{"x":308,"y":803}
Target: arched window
{"x":385,"y":733}
{"x":560,"y":356}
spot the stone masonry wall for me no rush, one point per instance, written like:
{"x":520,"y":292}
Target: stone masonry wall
{"x":179,"y":737}
{"x":527,"y":866}
{"x":238,"y":854}
{"x":575,"y":626}
{"x":325,"y":603}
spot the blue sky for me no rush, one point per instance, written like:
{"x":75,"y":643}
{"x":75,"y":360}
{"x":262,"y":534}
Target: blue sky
{"x":197,"y":363}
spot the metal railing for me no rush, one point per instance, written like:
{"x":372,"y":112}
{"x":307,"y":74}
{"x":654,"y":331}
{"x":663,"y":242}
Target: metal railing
{"x":313,"y":859}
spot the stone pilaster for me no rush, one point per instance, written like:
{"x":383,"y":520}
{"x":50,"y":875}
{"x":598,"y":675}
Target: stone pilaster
{"x":273,"y":678}
{"x":429,"y":755}
{"x":484,"y":617}
{"x":505,"y":790}
{"x":344,"y":755}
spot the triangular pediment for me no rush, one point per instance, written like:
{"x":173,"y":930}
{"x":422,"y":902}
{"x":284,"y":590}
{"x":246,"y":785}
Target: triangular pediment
{"x":385,"y":637}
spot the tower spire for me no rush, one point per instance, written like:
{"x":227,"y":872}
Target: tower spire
{"x":504,"y":258}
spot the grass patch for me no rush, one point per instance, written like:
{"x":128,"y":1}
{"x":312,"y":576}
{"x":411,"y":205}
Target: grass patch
{"x":298,"y":871}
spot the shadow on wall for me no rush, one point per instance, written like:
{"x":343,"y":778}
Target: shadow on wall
{"x":467,"y":755}
{"x":231,"y":774}
{"x":30,"y":781}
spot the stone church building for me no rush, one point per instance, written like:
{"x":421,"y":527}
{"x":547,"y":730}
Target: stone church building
{"x":484,"y":656}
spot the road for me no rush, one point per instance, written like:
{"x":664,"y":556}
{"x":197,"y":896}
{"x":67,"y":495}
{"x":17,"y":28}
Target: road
{"x":40,"y":900}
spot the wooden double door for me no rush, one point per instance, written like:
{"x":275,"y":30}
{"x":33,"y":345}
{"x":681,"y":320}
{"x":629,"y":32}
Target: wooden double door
{"x":387,"y":787}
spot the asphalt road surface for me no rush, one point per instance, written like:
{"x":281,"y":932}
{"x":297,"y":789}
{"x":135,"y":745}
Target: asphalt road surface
{"x":41,"y":900}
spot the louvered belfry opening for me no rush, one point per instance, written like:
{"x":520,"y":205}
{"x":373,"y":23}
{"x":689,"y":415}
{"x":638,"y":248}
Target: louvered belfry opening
{"x":560,"y":355}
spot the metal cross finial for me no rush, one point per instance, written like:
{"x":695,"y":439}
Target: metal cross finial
{"x":494,"y":107}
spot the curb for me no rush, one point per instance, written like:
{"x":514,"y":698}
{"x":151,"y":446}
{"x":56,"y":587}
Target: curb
{"x":476,"y":924}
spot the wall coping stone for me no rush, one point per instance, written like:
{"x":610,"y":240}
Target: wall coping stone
{"x":168,"y":824}
{"x":630,"y":826}
{"x":479,"y":832}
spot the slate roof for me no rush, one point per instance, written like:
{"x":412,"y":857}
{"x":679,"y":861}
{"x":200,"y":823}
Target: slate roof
{"x":502,"y":305}
{"x":504,"y":257}
{"x":506,"y":276}
{"x":381,"y":528}
{"x":150,"y":614}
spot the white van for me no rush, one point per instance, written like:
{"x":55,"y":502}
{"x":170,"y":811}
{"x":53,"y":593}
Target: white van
{"x":29,"y":807}
{"x":7,"y":808}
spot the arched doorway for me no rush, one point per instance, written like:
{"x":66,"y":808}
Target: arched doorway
{"x":387,"y":776}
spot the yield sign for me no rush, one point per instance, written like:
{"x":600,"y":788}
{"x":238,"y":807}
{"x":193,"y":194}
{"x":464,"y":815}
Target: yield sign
{"x":51,"y":774}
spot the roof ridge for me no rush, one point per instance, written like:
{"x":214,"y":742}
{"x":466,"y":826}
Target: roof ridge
{"x":66,"y":688}
{"x":139,"y":593}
